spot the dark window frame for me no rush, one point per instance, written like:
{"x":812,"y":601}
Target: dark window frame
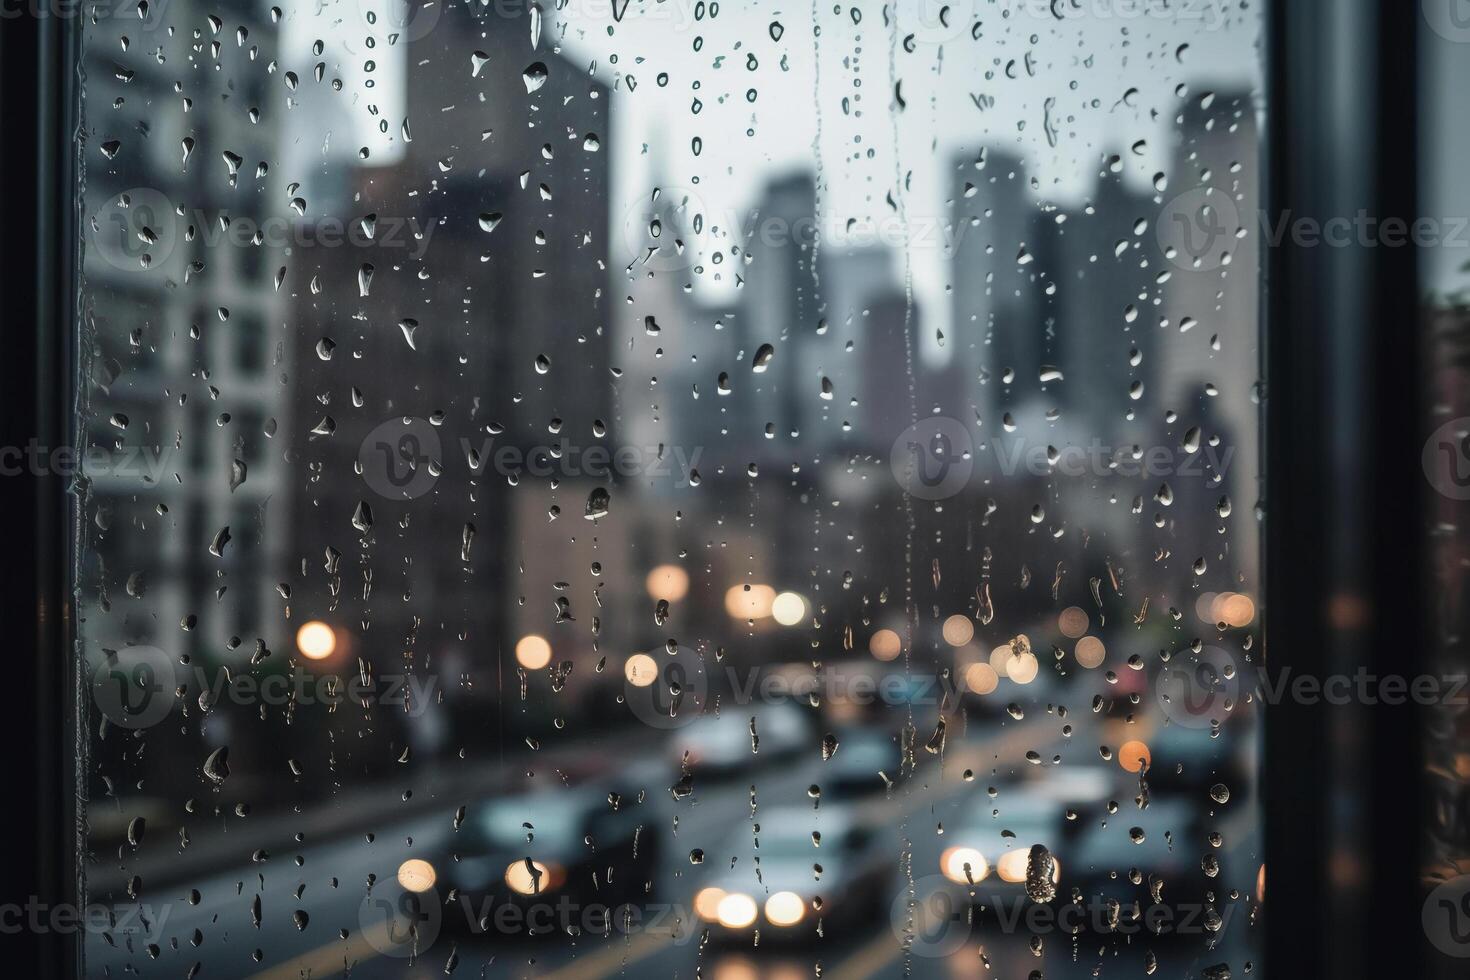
{"x":38,"y":58}
{"x":1345,"y":498}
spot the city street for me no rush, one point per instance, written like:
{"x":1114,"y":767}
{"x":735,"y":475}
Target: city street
{"x":327,"y":881}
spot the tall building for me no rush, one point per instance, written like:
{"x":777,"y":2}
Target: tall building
{"x":484,"y":322}
{"x":671,"y":344}
{"x":192,"y":314}
{"x":779,"y":305}
{"x":996,"y":320}
{"x":863,"y":337}
{"x":1102,"y":307}
{"x":1218,"y":154}
{"x":188,"y":347}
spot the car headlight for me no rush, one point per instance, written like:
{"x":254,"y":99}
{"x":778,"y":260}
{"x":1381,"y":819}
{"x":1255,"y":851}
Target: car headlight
{"x":707,"y":903}
{"x":965,"y":865}
{"x":785,"y":909}
{"x":527,"y":877}
{"x":736,"y":911}
{"x":1012,"y":867}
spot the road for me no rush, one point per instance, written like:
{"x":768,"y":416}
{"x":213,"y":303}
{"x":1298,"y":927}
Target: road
{"x":217,"y":935}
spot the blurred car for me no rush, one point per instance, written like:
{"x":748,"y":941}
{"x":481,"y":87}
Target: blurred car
{"x":790,"y":900}
{"x":989,"y":853}
{"x":1148,"y":863}
{"x":1190,"y":760}
{"x":852,"y":773}
{"x":723,"y":744}
{"x":1112,"y":866}
{"x":584,"y":843}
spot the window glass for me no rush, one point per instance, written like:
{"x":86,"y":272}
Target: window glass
{"x":694,"y":488}
{"x":1444,"y":276}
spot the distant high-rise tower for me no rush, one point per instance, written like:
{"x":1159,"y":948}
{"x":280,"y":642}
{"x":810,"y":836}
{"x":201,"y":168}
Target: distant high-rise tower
{"x":1103,"y":322}
{"x":780,"y":305}
{"x":490,"y":330}
{"x":1218,"y":158}
{"x":996,"y":320}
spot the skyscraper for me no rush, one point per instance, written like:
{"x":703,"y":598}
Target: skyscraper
{"x":466,"y":358}
{"x":996,"y":319}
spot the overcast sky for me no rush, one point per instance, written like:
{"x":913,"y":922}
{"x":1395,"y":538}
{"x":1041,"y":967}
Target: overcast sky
{"x":1063,"y":93}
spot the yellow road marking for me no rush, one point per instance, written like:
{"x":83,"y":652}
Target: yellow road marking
{"x":868,"y":960}
{"x":323,"y":960}
{"x":606,"y":961}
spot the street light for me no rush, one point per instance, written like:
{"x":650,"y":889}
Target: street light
{"x":749,"y":601}
{"x":788,"y":609}
{"x":533,"y":652}
{"x":316,"y":640}
{"x":668,"y":582}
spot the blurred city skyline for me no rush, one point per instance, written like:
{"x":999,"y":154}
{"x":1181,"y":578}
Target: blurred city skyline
{"x":1003,"y":88}
{"x":506,"y":261}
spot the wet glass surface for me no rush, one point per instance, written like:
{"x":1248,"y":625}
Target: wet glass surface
{"x":737,"y":490}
